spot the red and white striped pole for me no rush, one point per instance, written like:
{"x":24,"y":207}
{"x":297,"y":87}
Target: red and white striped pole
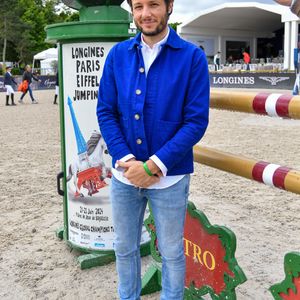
{"x":267,"y":173}
{"x":271,"y":104}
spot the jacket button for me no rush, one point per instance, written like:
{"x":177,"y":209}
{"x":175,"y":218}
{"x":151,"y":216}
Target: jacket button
{"x":138,"y":92}
{"x":142,"y":70}
{"x":139,"y":141}
{"x":137,"y":116}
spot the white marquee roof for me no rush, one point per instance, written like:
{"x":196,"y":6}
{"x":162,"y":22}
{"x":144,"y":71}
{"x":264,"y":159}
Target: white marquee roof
{"x":243,"y":16}
{"x":49,"y":53}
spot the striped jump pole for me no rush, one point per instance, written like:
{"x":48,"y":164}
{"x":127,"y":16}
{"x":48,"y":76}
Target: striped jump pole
{"x":271,"y":104}
{"x":267,"y":173}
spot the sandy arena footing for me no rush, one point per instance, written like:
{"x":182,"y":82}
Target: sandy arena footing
{"x":34,"y":264}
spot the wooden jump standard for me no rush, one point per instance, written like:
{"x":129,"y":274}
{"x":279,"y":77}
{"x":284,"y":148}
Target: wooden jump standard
{"x":274,"y":105}
{"x":267,"y":173}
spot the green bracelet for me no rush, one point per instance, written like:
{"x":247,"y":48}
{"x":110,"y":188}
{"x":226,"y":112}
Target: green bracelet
{"x":147,"y":169}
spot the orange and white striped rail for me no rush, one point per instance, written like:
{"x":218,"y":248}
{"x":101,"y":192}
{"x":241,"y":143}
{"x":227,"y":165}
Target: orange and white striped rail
{"x":267,"y":173}
{"x":271,"y":104}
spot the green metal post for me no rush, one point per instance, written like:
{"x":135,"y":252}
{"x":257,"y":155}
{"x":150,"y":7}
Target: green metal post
{"x":102,"y":23}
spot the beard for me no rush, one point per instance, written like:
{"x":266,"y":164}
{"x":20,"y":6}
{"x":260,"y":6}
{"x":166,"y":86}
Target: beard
{"x":160,"y":27}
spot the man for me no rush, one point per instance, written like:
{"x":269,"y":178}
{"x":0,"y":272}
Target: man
{"x":28,"y":76}
{"x":56,"y":88}
{"x":217,"y":60}
{"x":293,"y":4}
{"x":152,"y":109}
{"x":8,"y":82}
{"x":246,"y":58}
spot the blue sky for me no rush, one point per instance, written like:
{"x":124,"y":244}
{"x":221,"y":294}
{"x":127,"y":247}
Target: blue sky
{"x":184,"y":9}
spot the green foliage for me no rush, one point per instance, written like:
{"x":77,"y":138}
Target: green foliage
{"x":74,"y":17}
{"x":10,"y":26}
{"x":68,"y":16}
{"x":174,"y":25}
{"x":15,"y":71}
{"x":22,"y":26}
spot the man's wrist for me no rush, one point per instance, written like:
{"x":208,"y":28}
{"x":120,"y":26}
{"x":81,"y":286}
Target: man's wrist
{"x":145,"y":166}
{"x":162,"y":168}
{"x":131,"y":159}
{"x":153,"y":168}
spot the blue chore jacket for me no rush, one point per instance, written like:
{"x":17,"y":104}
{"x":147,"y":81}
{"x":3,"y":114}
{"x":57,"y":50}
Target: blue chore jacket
{"x":164,"y":114}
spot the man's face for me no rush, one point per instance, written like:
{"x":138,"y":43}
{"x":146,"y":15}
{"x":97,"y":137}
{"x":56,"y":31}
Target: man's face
{"x":150,"y":16}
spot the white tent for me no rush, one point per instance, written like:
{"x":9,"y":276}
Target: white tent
{"x":50,"y":53}
{"x":242,"y":21}
{"x":48,"y":66}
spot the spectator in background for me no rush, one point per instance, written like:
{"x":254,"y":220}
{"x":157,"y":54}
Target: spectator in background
{"x":28,"y":76}
{"x":8,"y":82}
{"x":217,"y":60}
{"x":230,"y":60}
{"x":293,"y":4}
{"x":247,"y":58}
{"x":56,"y":89}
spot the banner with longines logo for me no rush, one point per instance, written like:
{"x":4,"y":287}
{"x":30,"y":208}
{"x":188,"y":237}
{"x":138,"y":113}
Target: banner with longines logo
{"x":284,"y":81}
{"x":47,"y":83}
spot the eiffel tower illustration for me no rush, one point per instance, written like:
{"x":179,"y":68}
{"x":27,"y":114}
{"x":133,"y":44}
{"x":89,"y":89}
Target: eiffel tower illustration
{"x":80,"y":141}
{"x":87,"y":176}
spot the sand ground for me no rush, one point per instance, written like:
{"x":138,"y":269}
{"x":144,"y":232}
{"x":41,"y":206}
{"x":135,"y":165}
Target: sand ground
{"x":34,"y":264}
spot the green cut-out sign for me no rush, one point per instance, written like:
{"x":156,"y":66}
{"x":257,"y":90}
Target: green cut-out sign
{"x":289,"y":288}
{"x":211,"y":267}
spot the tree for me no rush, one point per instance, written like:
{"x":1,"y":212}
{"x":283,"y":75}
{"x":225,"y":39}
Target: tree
{"x":34,"y":17}
{"x":38,"y":14}
{"x":10,"y":24}
{"x":22,"y":26}
{"x":174,"y":25}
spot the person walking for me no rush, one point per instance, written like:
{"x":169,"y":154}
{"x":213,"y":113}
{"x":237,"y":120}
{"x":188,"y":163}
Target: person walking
{"x":217,"y":61}
{"x":152,"y":109}
{"x":8,"y":83}
{"x":28,"y":76}
{"x":56,"y":89}
{"x":246,"y":58}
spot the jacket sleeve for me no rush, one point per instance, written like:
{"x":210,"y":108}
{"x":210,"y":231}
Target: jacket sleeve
{"x":34,"y":77}
{"x":195,"y":114}
{"x":107,"y":111}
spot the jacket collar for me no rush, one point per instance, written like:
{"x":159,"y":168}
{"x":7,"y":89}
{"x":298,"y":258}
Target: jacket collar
{"x":174,"y":41}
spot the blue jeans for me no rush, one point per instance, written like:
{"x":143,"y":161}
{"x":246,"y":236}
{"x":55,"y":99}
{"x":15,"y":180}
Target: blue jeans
{"x":30,"y":93}
{"x":169,"y":208}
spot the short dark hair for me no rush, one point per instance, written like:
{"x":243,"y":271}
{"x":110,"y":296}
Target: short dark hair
{"x":166,"y":1}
